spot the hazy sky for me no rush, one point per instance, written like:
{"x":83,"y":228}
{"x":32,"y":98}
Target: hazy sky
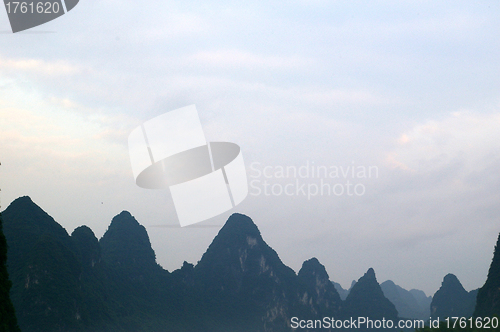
{"x":411,"y":89}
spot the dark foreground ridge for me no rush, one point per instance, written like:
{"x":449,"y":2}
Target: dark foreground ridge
{"x":79,"y":283}
{"x":488,"y":297}
{"x":8,"y":321}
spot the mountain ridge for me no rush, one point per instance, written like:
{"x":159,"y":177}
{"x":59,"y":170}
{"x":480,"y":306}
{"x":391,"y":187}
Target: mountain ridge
{"x":115,"y":284}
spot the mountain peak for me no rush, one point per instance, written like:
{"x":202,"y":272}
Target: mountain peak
{"x":452,"y":299}
{"x":313,"y":271}
{"x":126,"y":243}
{"x":450,"y":278}
{"x":26,"y":205}
{"x":389,"y":283}
{"x":370,"y":274}
{"x":367,"y":299}
{"x":240,"y":224}
{"x":312,"y":262}
{"x":87,"y":246}
{"x":125,"y":213}
{"x":241,"y":273}
{"x":124,"y":218}
{"x":319,"y":292}
{"x":23,"y":200}
{"x":239,"y":234}
{"x":25,"y":218}
{"x":314,"y":268}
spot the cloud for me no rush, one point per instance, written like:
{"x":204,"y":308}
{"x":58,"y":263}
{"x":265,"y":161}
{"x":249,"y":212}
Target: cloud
{"x":324,"y":81}
{"x":242,"y":59}
{"x":172,"y":26}
{"x":444,"y":175}
{"x":39,"y":67}
{"x":471,"y":139}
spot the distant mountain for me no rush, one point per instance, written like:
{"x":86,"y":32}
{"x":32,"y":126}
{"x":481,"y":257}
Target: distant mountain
{"x":423,"y":301}
{"x":8,"y":321}
{"x":488,"y":297}
{"x":452,"y":300}
{"x":342,"y":292}
{"x":367,"y":299}
{"x":405,"y":302}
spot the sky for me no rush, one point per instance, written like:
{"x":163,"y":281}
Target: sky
{"x":409,"y":90}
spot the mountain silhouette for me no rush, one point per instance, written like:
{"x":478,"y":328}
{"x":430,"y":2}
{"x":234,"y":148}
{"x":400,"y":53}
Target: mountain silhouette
{"x":319,"y":293}
{"x":244,"y":283}
{"x":8,"y":321}
{"x":405,"y":302}
{"x":423,"y":301}
{"x":80,"y":283}
{"x":452,"y":300}
{"x":139,"y":288}
{"x":62,"y":283}
{"x":126,"y":246}
{"x":367,"y":299}
{"x":488,"y":297}
{"x":342,"y":292}
{"x":43,"y":268}
{"x":87,"y":247}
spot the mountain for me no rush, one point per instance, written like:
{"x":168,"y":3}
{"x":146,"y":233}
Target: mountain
{"x":404,"y":301}
{"x":342,"y":292}
{"x":78,"y":283}
{"x":367,"y":299}
{"x":87,"y":248}
{"x":319,"y":293}
{"x":244,"y":284}
{"x":44,"y":269}
{"x":488,"y":297}
{"x":126,"y":250}
{"x":24,"y":224}
{"x":423,"y":301}
{"x":126,"y":246}
{"x":73,"y":283}
{"x":95,"y":281}
{"x":8,"y":321}
{"x":139,"y":292}
{"x":452,"y":300}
